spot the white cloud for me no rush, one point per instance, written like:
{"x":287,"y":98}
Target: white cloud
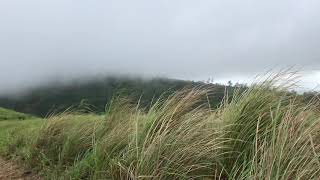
{"x":180,"y":39}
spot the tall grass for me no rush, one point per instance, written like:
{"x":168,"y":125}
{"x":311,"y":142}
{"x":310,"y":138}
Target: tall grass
{"x":263,"y":132}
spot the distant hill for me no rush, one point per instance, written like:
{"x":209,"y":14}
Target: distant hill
{"x":98,"y":92}
{"x":6,"y":114}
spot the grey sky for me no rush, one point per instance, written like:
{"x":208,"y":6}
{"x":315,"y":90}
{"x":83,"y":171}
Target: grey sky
{"x":189,"y":39}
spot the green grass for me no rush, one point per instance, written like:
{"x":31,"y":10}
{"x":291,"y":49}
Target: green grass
{"x":262,"y":133}
{"x":14,"y":126}
{"x":6,"y":114}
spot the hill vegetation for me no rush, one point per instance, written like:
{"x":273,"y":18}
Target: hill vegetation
{"x":263,"y":132}
{"x":12,"y":122}
{"x":56,"y":97}
{"x":7,"y":114}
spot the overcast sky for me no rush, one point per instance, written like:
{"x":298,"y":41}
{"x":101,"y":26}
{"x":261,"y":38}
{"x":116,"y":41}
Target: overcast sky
{"x":186,"y":39}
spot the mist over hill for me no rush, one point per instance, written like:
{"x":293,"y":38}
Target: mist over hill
{"x":97,"y":92}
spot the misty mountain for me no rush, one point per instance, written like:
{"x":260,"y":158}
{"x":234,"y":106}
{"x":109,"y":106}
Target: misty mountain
{"x":56,"y":97}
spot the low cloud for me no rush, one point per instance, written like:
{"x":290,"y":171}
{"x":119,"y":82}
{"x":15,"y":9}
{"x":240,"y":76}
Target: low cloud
{"x":45,"y":40}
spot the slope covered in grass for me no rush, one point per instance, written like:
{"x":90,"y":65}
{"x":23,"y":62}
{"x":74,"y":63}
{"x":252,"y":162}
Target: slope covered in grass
{"x":7,"y":114}
{"x":262,"y":133}
{"x":14,"y":126}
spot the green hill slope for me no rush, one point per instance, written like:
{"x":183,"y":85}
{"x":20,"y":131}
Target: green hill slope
{"x":6,"y":114}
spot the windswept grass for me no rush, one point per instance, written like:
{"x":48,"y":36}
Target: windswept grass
{"x":261,"y":133}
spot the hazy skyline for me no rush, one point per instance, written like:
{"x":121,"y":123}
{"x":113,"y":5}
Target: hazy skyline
{"x":41,"y":40}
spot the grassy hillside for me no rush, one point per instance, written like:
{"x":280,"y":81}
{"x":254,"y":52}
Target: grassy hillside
{"x":264,"y":132}
{"x":6,"y":114}
{"x":14,"y":126}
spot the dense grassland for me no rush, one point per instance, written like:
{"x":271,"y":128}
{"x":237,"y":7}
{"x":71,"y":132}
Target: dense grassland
{"x":261,"y":133}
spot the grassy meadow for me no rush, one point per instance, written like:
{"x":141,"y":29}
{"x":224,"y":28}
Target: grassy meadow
{"x":263,"y":132}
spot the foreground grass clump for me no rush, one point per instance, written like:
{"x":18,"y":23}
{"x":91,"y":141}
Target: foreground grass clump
{"x":274,"y":136}
{"x":174,"y":139}
{"x":261,"y":133}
